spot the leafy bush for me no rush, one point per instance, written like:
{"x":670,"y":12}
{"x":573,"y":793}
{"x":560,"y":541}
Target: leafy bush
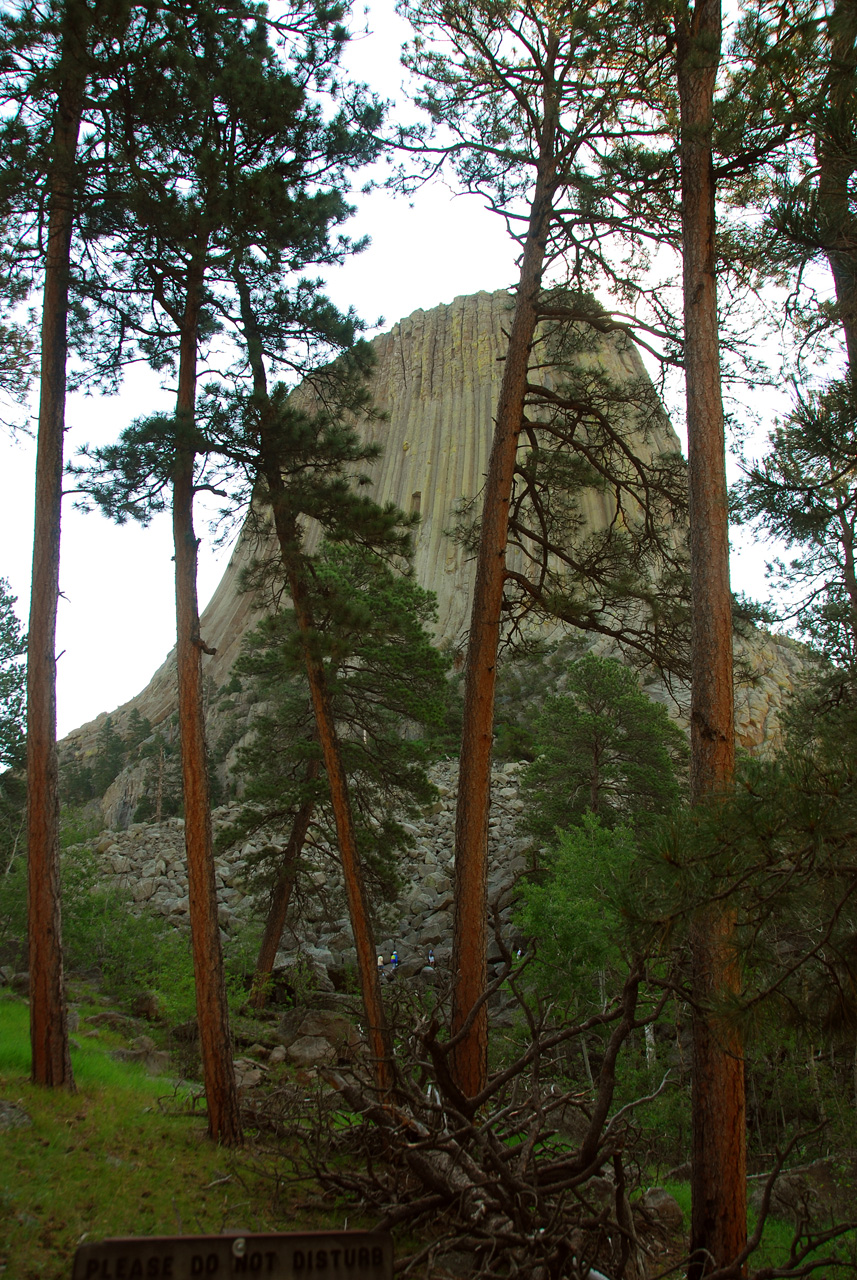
{"x":100,"y":931}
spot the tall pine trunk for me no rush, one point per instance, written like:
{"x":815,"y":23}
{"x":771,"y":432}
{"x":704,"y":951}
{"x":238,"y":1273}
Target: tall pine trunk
{"x":718,"y":1123}
{"x":469,"y":1063}
{"x":380,"y":1042}
{"x":221,"y":1094}
{"x":281,"y":895}
{"x":837,"y":163}
{"x":51,"y":1062}
{"x":289,"y":540}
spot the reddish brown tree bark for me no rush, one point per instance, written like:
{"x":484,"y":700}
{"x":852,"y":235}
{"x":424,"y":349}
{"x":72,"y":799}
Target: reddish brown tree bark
{"x":51,"y":1062}
{"x":469,"y":1061}
{"x":289,"y":538}
{"x":837,"y":164}
{"x":281,"y":895}
{"x":380,"y":1043}
{"x":221,"y":1094}
{"x":719,"y":1162}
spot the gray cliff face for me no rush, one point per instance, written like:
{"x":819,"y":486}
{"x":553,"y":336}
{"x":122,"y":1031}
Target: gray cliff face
{"x":436,"y":381}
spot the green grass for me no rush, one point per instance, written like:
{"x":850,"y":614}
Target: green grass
{"x":91,"y":1064}
{"x":128,"y":1155}
{"x":777,"y":1238}
{"x":123,"y":1155}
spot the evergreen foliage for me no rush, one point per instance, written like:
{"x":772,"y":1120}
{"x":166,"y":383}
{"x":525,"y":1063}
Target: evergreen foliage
{"x":592,"y":442}
{"x":87,"y":777}
{"x":138,"y":729}
{"x":596,"y":442}
{"x":109,"y":757}
{"x":387,"y":685}
{"x":13,"y":695}
{"x":163,"y":795}
{"x":232,"y":150}
{"x":603,"y":747}
{"x":60,"y":64}
{"x":533,"y":103}
{"x":13,"y":682}
{"x":802,"y":492}
{"x":570,"y":911}
{"x":780,"y":855}
{"x":528,"y":674}
{"x":792,"y":81}
{"x":236,"y":166}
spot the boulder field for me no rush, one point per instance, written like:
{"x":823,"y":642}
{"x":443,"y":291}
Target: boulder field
{"x":147,"y":861}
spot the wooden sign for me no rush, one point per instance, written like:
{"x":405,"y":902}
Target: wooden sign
{"x":284,"y":1255}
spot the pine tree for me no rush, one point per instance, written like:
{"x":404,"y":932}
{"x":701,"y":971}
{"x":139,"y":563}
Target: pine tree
{"x":386,"y":681}
{"x":802,"y":493}
{"x":137,"y":729}
{"x":204,"y":163}
{"x":718,"y":1154}
{"x":538,"y":100}
{"x":109,"y":757}
{"x":302,"y":460}
{"x":603,"y":747}
{"x":595,"y":443}
{"x":568,"y":909}
{"x":796,"y":65}
{"x":237,"y":169}
{"x":13,"y":682}
{"x":13,"y":712}
{"x":215,"y":70}
{"x":794,"y":85}
{"x":43,"y":172}
{"x":51,"y":1063}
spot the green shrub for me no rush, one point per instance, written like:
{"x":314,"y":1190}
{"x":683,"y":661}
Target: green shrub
{"x":78,"y":824}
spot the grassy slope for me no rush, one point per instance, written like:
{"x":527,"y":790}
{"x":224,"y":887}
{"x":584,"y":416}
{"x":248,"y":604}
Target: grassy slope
{"x":777,"y":1239}
{"x":127,"y":1155}
{"x":121,"y":1156}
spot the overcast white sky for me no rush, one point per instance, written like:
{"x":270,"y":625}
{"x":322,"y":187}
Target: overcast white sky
{"x":116,"y":620}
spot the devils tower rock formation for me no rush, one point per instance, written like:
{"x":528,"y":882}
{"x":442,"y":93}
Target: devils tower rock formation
{"x":436,"y":382}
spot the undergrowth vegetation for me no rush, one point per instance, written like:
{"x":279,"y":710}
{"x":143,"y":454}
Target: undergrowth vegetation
{"x":589,"y":1100}
{"x":126,"y":1154}
{"x":103,"y":937}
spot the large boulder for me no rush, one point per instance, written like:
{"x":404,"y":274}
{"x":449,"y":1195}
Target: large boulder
{"x":311,"y":1051}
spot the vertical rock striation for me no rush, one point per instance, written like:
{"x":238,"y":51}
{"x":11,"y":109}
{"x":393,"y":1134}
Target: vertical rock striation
{"x":436,"y":382}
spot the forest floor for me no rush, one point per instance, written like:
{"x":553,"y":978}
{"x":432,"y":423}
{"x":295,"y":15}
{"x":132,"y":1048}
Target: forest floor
{"x":127,"y":1154}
